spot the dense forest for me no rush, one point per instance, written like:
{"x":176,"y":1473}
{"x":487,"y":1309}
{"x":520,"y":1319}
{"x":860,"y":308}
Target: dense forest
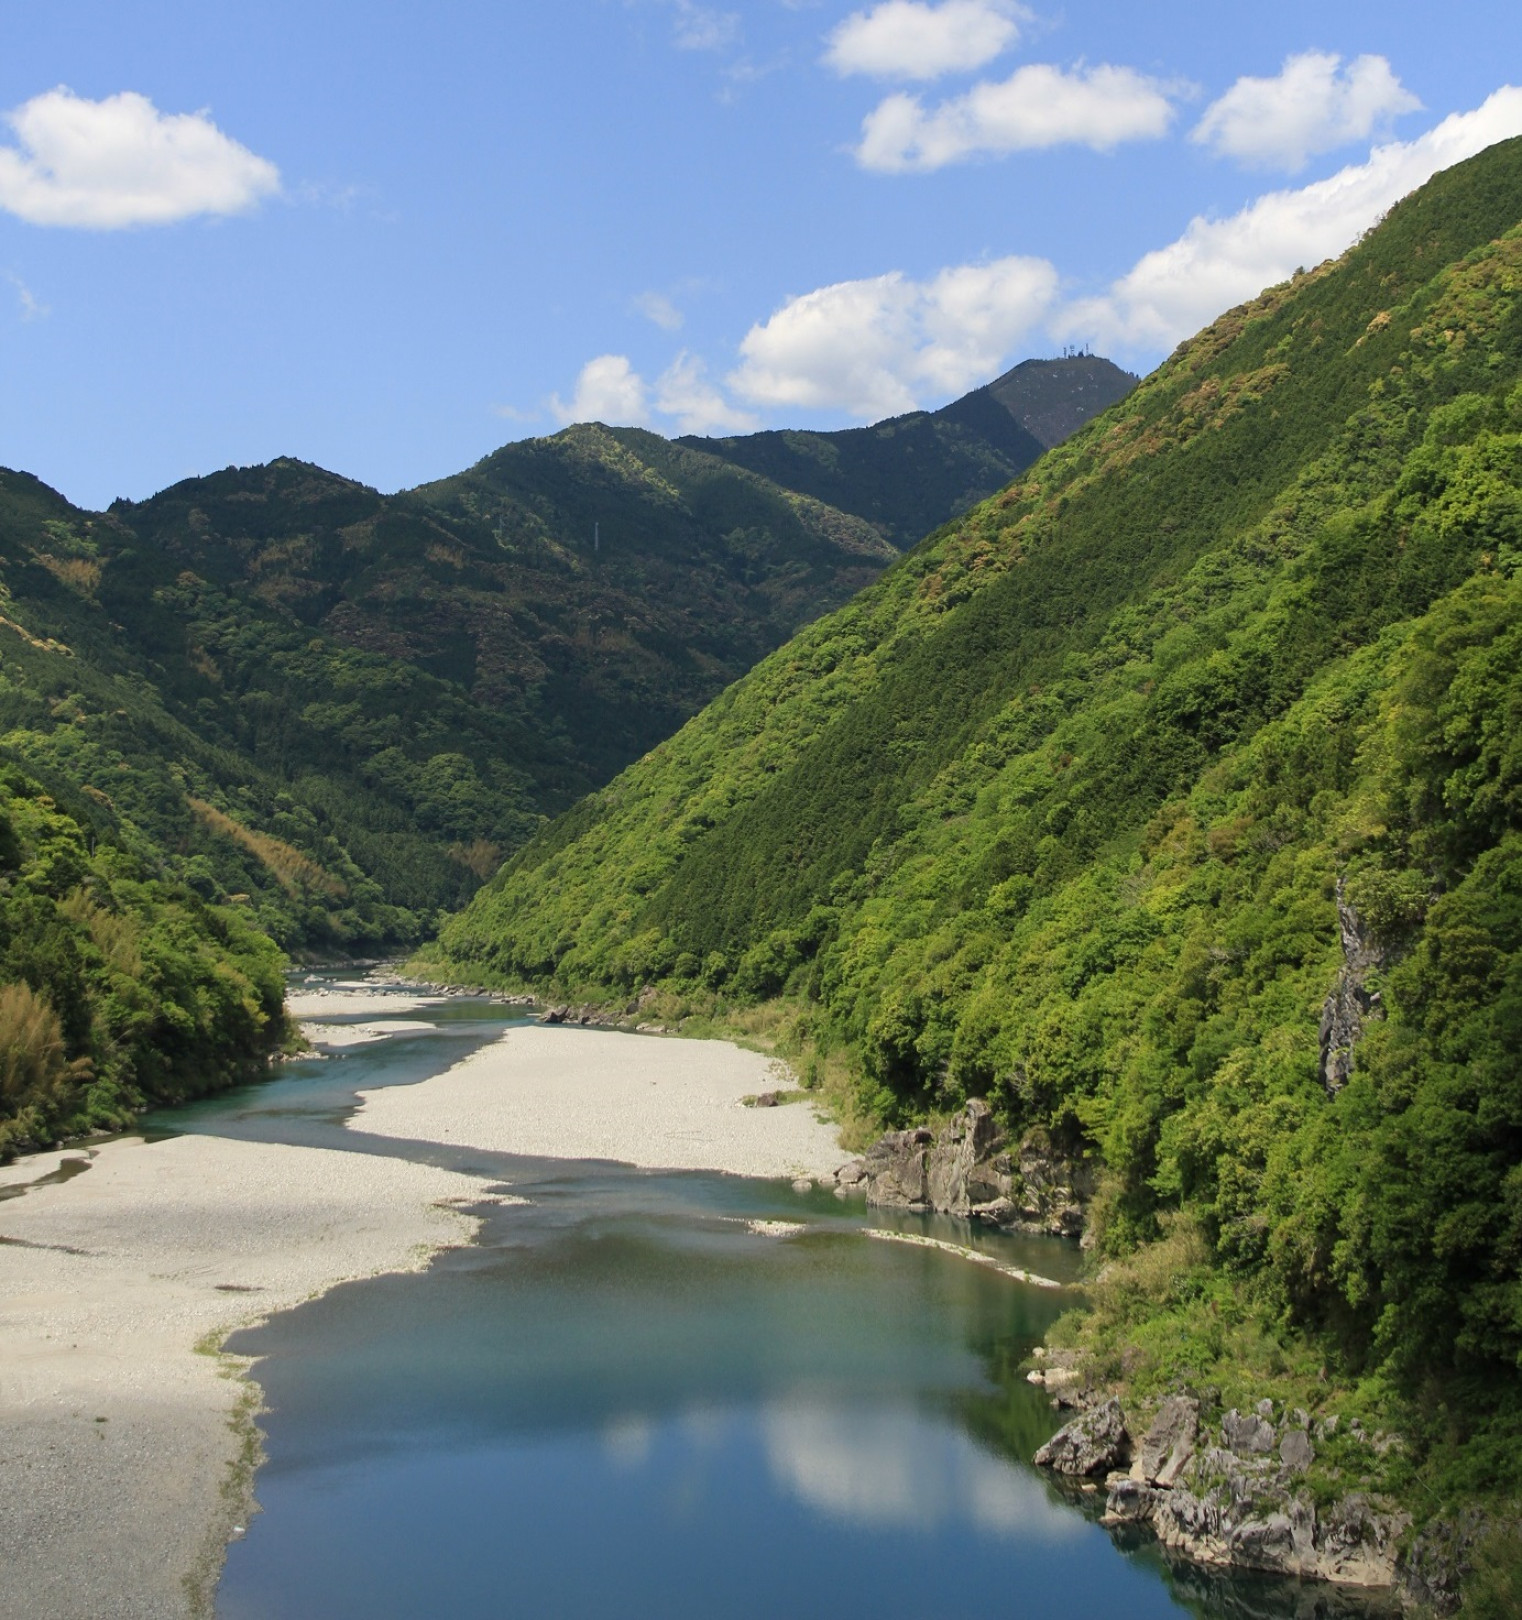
{"x":909,"y":474}
{"x":284,"y":710}
{"x":1171,"y":800}
{"x":118,"y":986}
{"x":340,"y":710}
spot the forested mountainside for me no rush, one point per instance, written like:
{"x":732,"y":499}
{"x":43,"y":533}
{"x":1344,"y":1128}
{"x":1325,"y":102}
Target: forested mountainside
{"x":909,"y":474}
{"x":118,"y":986}
{"x":1172,"y":801}
{"x":340,"y":710}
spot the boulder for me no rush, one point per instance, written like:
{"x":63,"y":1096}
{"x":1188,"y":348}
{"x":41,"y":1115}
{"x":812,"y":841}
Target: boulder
{"x":1129,"y":1501}
{"x":1247,"y":1432}
{"x":1093,"y":1443}
{"x":958,"y":1173}
{"x":1296,"y":1451}
{"x":1168,"y":1445}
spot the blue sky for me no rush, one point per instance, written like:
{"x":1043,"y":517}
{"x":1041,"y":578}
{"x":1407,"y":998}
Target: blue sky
{"x":387,"y":237}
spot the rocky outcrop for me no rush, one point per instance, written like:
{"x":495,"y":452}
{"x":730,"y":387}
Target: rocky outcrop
{"x":968,"y":1170}
{"x":1441,"y":1557}
{"x":1350,"y":1004}
{"x":1240,"y":1503}
{"x":1091,"y":1444}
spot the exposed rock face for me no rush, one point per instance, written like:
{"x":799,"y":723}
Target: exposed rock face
{"x":1247,"y":1432}
{"x":1090,"y":1444}
{"x":969,"y":1171}
{"x":1236,"y":1505}
{"x":1169,"y":1444}
{"x":1349,"y":1004}
{"x":1440,"y":1558}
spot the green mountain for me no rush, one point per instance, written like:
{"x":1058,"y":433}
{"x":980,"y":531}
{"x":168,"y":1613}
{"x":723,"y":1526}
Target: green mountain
{"x":1172,"y":801}
{"x":910,"y":474}
{"x":340,"y":710}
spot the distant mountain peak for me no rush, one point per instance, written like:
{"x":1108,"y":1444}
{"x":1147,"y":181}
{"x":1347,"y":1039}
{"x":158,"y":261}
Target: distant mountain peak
{"x":1052,"y":399}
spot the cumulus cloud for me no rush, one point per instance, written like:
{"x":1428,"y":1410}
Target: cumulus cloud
{"x":1173,"y":291}
{"x":1037,"y":106}
{"x":105,"y":165}
{"x":1314,"y":105}
{"x":609,"y":390}
{"x":684,"y":393}
{"x":876,"y":347}
{"x":905,"y":39}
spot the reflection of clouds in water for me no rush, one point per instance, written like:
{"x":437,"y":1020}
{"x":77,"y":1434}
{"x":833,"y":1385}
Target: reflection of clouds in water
{"x":901,"y":1469}
{"x":627,"y":1440}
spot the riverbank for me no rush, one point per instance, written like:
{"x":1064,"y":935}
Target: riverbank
{"x":596,"y":1094}
{"x":127,"y":1441}
{"x":127,"y":1456}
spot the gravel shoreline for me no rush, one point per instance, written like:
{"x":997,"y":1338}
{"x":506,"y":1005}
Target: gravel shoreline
{"x":126,"y":1457}
{"x":657,"y":1103}
{"x":127,"y":1441}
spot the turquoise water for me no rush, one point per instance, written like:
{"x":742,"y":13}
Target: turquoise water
{"x":622,"y":1402}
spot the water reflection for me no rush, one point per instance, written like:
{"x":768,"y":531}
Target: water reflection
{"x":899,"y":1468}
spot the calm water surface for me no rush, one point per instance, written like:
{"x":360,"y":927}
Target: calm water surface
{"x":623,"y":1402}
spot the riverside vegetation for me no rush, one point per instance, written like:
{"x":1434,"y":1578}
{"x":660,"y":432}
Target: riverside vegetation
{"x":1170,"y":800}
{"x":271,"y":709}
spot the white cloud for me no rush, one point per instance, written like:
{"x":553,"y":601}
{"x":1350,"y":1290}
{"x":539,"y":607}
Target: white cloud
{"x":1172,"y":292}
{"x":684,"y":393}
{"x":905,"y":39}
{"x":1315,"y":105}
{"x":875,"y":347}
{"x":608,"y":390}
{"x":32,"y":307}
{"x":657,"y":307}
{"x":1037,"y":106}
{"x":700,"y":28}
{"x":105,"y":165}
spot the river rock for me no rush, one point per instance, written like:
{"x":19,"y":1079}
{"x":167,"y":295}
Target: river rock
{"x":1247,"y":1432}
{"x":895,"y":1166}
{"x":968,"y":1171}
{"x":1296,"y":1451}
{"x":1092,"y":1443}
{"x":1168,"y":1446}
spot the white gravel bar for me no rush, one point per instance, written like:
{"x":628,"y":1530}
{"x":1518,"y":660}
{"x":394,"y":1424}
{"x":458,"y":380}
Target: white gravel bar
{"x":126,"y":1443}
{"x":561,"y":1093}
{"x":124,"y":1461}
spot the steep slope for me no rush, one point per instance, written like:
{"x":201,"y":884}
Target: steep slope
{"x":342,"y":709}
{"x":910,"y":474}
{"x":319,"y":787}
{"x":117,"y":987}
{"x":1170,"y":801}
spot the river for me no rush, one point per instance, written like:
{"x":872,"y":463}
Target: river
{"x":656,"y":1396}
